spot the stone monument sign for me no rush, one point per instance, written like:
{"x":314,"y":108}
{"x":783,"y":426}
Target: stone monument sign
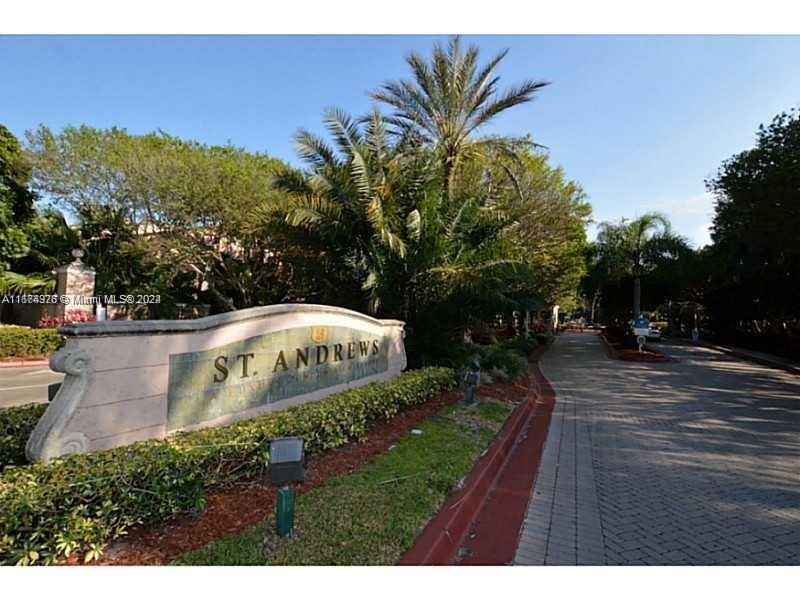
{"x":128,"y":381}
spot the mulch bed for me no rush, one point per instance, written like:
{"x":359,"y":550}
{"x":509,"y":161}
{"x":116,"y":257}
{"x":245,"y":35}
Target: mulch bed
{"x":233,"y":509}
{"x":511,"y":392}
{"x":616,"y":349}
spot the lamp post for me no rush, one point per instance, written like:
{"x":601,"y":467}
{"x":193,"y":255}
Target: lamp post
{"x":287,"y":462}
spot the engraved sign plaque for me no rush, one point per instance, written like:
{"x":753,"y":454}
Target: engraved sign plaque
{"x":267,"y":369}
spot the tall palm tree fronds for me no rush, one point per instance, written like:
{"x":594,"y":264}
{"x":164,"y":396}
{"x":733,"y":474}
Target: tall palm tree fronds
{"x":635,"y":247}
{"x":370,"y":203}
{"x":449,"y":98}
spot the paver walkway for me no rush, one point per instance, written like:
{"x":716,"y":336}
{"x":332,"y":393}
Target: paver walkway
{"x":692,"y":462}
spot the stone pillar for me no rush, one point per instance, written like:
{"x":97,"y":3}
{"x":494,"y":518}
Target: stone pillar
{"x":554,"y":319}
{"x":76,"y":282}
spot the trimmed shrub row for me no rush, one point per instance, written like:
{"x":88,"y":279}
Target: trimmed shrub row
{"x":23,"y":342}
{"x":503,"y":361}
{"x":80,"y":503}
{"x":16,"y":425}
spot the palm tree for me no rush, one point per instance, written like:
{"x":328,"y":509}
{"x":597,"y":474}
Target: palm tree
{"x":353,"y":202}
{"x":636,"y":247}
{"x":369,"y":208}
{"x":449,"y":99}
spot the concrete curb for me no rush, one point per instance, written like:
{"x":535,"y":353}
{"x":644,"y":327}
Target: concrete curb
{"x":446,"y":532}
{"x":494,"y":537}
{"x":615,"y":355}
{"x":34,"y":362}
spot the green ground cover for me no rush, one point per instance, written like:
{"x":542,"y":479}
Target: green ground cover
{"x":16,"y":425}
{"x":23,"y":342}
{"x":77,"y":504}
{"x":372,"y":516}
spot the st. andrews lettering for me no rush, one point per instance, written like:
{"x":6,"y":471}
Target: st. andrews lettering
{"x":246,"y":365}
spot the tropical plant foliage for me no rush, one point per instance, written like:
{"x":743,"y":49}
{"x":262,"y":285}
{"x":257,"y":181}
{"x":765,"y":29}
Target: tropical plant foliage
{"x":162,"y":215}
{"x":80,"y":503}
{"x":415,"y":214}
{"x":370,"y":207}
{"x":16,"y":218}
{"x":448,"y":100}
{"x":629,"y":251}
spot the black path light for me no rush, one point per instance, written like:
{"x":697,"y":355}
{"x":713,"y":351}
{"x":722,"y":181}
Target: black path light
{"x":287,"y":465}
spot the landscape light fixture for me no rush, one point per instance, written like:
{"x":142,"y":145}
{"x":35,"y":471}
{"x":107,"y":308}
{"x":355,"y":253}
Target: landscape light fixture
{"x":473,"y":379}
{"x":287,"y":465}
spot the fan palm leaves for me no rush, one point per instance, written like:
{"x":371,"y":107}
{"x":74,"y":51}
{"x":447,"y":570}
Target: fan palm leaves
{"x":635,"y":247}
{"x":11,"y":282}
{"x":449,"y":98}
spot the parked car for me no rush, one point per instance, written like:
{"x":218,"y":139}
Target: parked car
{"x":654,"y":333}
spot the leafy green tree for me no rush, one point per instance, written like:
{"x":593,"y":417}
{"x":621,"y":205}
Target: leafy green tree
{"x":755,"y":277}
{"x":449,"y":99}
{"x":167,"y":206}
{"x":16,"y":212}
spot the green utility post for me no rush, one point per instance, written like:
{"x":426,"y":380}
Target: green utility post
{"x":473,"y":379}
{"x":284,"y":512}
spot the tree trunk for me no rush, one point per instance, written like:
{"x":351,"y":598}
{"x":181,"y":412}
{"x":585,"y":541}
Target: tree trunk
{"x":637,"y":297}
{"x":449,"y":173}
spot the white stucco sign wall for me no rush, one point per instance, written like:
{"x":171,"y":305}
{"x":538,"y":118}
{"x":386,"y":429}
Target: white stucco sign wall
{"x":128,"y":381}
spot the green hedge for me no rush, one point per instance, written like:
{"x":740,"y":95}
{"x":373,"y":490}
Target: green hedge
{"x":80,"y":503}
{"x":504,"y":361}
{"x":24,"y":342}
{"x":16,"y":424}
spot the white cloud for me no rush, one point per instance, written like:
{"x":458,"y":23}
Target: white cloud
{"x":690,"y":216}
{"x":701,"y":204}
{"x":702,"y":235}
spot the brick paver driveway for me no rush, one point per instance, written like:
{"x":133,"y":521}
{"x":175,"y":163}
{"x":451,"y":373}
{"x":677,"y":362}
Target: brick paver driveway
{"x":692,"y":462}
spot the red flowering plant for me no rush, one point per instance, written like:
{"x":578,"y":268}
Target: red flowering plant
{"x":50,"y":322}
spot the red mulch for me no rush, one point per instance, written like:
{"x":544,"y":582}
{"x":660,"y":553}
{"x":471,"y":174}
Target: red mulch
{"x":616,"y":349}
{"x":232,"y":509}
{"x":511,"y":392}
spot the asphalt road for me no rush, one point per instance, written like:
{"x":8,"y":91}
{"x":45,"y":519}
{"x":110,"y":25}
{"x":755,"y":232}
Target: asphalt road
{"x":694,"y":462}
{"x":23,"y":385}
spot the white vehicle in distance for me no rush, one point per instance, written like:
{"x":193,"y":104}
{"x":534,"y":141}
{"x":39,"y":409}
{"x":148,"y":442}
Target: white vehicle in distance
{"x":654,"y":334}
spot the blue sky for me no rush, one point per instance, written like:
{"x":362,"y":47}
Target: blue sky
{"x":639,"y":121}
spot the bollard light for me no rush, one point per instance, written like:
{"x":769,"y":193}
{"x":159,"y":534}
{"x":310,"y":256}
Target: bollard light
{"x":473,"y":379}
{"x":287,"y":464}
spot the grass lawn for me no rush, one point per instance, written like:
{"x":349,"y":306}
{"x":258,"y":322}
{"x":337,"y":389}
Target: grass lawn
{"x":372,"y":516}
